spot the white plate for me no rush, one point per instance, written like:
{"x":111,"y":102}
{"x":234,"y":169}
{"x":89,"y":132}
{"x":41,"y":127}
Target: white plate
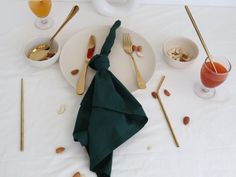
{"x":75,"y":49}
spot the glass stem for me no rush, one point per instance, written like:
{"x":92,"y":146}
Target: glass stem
{"x":44,"y":21}
{"x":205,"y":89}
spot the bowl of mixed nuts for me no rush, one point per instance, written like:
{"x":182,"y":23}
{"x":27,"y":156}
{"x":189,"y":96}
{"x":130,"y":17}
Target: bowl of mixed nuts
{"x":180,"y":52}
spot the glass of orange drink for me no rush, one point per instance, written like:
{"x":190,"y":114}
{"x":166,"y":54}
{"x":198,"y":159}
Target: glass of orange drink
{"x":212,"y":78}
{"x":41,"y":8}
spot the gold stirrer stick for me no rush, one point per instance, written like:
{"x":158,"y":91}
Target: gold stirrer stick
{"x":164,"y":111}
{"x":200,"y":37}
{"x":22,"y":116}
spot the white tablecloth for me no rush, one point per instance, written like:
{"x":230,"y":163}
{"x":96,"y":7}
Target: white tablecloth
{"x":208,"y":143}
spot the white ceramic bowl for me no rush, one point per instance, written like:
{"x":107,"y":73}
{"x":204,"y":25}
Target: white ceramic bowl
{"x":45,"y":63}
{"x":187,"y":45}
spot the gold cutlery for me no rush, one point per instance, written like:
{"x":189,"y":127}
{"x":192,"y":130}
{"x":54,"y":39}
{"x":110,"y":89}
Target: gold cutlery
{"x":22,"y":116}
{"x":164,"y":111}
{"x":41,"y":50}
{"x":127,"y":46}
{"x":200,"y":37}
{"x":90,"y":51}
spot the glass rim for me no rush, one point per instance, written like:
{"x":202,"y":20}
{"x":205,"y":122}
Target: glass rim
{"x":228,"y":69}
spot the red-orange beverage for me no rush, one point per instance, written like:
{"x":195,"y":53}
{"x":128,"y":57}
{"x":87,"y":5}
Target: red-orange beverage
{"x":209,"y":77}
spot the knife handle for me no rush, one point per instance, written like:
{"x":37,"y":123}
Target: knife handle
{"x":81,"y":84}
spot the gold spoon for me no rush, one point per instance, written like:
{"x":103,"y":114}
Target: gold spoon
{"x":40,"y":51}
{"x":38,"y":55}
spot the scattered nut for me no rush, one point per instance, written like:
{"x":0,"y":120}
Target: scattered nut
{"x":178,"y":54}
{"x":50,"y":54}
{"x":154,"y":95}
{"x":134,"y":48}
{"x":61,"y":109}
{"x":77,"y":174}
{"x":178,"y":50}
{"x":184,"y":56}
{"x":74,"y":71}
{"x":60,"y":150}
{"x":186,"y":120}
{"x":139,"y":48}
{"x":172,"y":50}
{"x":139,"y":54}
{"x":166,"y":92}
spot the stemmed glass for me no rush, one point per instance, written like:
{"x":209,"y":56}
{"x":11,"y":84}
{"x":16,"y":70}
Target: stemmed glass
{"x":210,"y":78}
{"x":41,"y":8}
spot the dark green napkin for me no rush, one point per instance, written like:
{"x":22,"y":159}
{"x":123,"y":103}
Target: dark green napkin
{"x":108,"y":115}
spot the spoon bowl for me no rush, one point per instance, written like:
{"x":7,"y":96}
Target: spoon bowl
{"x":43,"y":47}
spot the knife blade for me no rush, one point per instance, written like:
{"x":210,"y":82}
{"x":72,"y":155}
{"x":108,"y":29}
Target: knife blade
{"x":80,"y":87}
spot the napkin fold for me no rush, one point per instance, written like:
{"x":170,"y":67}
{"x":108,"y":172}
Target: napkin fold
{"x":108,"y":115}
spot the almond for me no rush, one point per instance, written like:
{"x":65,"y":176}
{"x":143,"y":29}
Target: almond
{"x":139,"y":48}
{"x":134,"y":48}
{"x":154,"y":94}
{"x":166,"y":92}
{"x":186,"y":120}
{"x":50,"y":54}
{"x":74,"y":71}
{"x":77,"y":174}
{"x":60,"y":150}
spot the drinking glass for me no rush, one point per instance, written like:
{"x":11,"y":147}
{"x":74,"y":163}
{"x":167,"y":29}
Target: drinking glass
{"x":210,"y":78}
{"x":41,"y":8}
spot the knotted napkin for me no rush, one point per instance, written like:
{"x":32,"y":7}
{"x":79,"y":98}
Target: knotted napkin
{"x":108,"y":115}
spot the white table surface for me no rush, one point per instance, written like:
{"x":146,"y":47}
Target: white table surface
{"x":208,"y":143}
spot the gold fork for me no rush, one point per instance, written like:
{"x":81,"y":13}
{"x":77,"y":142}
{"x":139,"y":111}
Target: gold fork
{"x":127,"y":46}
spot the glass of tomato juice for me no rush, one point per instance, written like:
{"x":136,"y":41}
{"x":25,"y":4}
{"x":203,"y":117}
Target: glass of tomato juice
{"x":210,"y":78}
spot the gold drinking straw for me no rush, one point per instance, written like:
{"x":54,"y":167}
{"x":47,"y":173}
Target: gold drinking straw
{"x":200,"y":37}
{"x":22,"y":117}
{"x":164,"y":112}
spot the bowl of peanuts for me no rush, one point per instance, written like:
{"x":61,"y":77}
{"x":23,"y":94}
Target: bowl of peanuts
{"x":180,"y":52}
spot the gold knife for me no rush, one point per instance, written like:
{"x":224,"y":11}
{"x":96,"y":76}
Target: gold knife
{"x":80,"y":87}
